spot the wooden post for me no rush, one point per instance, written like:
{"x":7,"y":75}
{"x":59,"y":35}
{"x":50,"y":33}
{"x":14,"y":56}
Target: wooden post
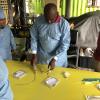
{"x":10,"y":14}
{"x":67,"y":13}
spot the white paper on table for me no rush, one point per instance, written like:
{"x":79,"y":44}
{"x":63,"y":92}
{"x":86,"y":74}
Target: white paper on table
{"x":51,"y":81}
{"x":19,"y":74}
{"x":92,"y":97}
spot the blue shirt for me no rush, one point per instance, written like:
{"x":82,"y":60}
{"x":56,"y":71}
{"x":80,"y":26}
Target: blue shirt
{"x":50,"y":39}
{"x":7,"y":43}
{"x":5,"y":91}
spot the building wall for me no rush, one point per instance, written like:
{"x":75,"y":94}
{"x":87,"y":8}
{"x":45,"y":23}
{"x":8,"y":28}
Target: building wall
{"x":79,"y":7}
{"x":57,"y":2}
{"x":50,"y":1}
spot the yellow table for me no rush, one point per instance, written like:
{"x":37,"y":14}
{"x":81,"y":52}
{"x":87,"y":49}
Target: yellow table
{"x":70,"y":88}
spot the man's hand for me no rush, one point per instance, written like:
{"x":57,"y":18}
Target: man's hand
{"x":51,"y":65}
{"x":34,"y":59}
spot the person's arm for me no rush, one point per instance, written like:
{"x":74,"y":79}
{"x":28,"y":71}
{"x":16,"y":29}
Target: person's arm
{"x":34,"y":39}
{"x":12,"y":42}
{"x":3,"y":73}
{"x":64,"y":43}
{"x":4,"y":82}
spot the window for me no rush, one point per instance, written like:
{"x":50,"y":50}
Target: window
{"x":95,"y":3}
{"x":4,"y":5}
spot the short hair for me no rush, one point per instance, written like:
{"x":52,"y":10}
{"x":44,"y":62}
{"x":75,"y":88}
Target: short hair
{"x":49,"y":6}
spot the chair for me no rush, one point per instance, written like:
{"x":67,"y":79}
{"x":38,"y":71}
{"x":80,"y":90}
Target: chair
{"x":73,"y":52}
{"x":20,"y":48}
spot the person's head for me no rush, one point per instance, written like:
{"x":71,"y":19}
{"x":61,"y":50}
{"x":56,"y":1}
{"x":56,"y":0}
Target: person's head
{"x":2,"y":18}
{"x":50,"y":12}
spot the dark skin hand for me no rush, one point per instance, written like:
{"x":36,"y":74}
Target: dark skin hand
{"x":51,"y":64}
{"x":34,"y":59}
